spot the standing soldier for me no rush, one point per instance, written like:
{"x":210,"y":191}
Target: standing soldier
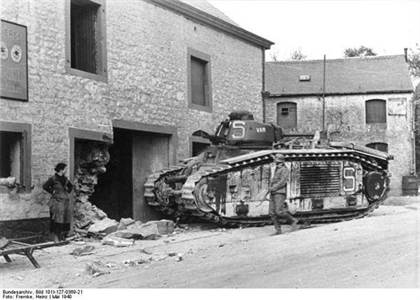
{"x":61,"y":202}
{"x":278,"y":189}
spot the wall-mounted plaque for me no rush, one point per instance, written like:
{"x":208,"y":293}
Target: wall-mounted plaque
{"x":397,"y":106}
{"x":13,"y":61}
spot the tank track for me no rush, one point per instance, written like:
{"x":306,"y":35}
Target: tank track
{"x":192,"y":206}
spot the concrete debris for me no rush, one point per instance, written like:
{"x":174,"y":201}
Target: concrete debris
{"x":91,"y":159}
{"x":97,"y":268}
{"x":179,"y":257}
{"x":148,"y":231}
{"x":159,"y":257}
{"x":105,"y":226}
{"x":117,"y":241}
{"x":128,"y":221}
{"x":138,"y":261}
{"x":86,"y":214}
{"x":9,"y":181}
{"x":82,"y":251}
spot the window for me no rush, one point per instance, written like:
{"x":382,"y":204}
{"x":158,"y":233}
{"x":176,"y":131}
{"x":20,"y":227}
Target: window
{"x":10,"y":149}
{"x":287,"y":115}
{"x":86,"y":44}
{"x":15,"y":152}
{"x":375,"y":111}
{"x":378,"y":146}
{"x":198,"y":147}
{"x":199,"y":83}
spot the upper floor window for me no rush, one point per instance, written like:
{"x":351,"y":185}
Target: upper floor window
{"x":378,"y":146}
{"x":86,"y":43}
{"x":287,"y":115}
{"x":199,"y":81}
{"x":375,"y":111}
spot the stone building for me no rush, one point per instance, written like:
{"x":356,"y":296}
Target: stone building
{"x":368,"y":101}
{"x":136,"y":76}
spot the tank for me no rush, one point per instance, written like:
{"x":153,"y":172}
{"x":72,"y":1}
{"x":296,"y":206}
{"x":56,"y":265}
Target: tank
{"x":227,"y":184}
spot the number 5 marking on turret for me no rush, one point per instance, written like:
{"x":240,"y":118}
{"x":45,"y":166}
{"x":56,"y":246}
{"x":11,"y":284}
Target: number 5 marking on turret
{"x":238,"y":134}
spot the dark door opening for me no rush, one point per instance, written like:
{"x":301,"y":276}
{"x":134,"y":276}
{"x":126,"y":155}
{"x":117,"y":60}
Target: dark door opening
{"x":114,"y":191}
{"x":134,"y":155}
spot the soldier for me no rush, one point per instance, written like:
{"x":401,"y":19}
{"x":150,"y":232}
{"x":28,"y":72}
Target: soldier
{"x":277,"y":190}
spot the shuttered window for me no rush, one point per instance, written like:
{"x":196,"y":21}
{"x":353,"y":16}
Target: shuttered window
{"x":199,"y":81}
{"x":84,"y":54}
{"x":375,"y":111}
{"x":287,"y":115}
{"x":86,"y":42}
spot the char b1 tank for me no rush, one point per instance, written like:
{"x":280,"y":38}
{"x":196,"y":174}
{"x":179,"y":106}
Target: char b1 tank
{"x":228,"y":182}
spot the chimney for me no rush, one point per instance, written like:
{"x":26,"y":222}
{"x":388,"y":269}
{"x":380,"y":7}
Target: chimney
{"x":406,"y":54}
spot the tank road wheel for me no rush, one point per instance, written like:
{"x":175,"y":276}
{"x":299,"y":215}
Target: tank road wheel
{"x":375,"y":186}
{"x":203,"y":196}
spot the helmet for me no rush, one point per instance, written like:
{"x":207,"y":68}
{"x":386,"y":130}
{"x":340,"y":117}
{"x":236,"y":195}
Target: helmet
{"x":278,"y":157}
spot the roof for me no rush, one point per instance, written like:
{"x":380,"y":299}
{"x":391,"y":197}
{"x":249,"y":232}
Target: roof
{"x":375,"y":74}
{"x":206,"y":7}
{"x":203,"y":12}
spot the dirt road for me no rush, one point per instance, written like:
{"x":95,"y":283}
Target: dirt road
{"x":378,"y":251}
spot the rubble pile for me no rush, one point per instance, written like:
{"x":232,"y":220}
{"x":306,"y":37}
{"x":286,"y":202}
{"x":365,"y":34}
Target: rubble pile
{"x":151,"y":230}
{"x":91,"y":159}
{"x":89,"y":220}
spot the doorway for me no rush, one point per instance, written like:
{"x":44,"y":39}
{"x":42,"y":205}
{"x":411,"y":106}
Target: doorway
{"x":134,"y":155}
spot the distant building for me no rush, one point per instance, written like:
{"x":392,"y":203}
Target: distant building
{"x":368,"y":101}
{"x":139,"y":75}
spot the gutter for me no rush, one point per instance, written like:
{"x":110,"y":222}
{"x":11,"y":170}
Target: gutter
{"x":207,"y":19}
{"x":269,"y":95}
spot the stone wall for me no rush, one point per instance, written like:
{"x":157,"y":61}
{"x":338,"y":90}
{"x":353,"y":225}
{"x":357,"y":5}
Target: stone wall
{"x":147,"y":80}
{"x":345,"y":121}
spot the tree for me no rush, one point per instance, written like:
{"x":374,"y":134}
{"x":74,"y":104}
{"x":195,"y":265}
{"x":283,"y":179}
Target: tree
{"x":414,"y":60}
{"x":362,"y":51}
{"x":297,"y":55}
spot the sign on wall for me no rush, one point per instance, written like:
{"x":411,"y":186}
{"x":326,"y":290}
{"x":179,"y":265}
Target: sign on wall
{"x":397,"y":106}
{"x":13,"y":61}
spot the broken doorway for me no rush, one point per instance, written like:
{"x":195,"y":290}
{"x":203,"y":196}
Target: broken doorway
{"x":134,"y":156}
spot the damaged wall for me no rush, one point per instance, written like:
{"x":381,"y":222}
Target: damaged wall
{"x":346,"y":121}
{"x":147,"y":82}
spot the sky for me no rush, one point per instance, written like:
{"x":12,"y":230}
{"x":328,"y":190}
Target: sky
{"x":328,"y":27}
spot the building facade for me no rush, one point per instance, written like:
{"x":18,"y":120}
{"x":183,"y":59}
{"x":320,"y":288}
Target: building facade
{"x":368,"y":101}
{"x":138,"y":76}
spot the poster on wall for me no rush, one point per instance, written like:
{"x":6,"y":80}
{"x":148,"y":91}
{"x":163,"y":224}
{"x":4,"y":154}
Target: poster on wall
{"x":13,"y":61}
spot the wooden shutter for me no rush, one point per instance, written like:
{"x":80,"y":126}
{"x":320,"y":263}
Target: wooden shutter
{"x":198,"y":81}
{"x":375,"y":111}
{"x":287,"y":115}
{"x":83,"y":36}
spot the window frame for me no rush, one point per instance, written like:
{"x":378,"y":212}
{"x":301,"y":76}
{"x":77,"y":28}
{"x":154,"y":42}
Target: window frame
{"x":102,"y":75}
{"x":25,"y":168}
{"x":278,"y":104}
{"x":208,"y":93}
{"x":385,"y":111}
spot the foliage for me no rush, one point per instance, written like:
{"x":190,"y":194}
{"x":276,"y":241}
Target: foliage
{"x":362,"y":51}
{"x":298,"y":55}
{"x":414,"y":60}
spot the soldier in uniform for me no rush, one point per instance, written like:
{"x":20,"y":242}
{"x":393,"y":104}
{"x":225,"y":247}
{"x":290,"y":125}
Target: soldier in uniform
{"x":61,"y":202}
{"x":277,"y":190}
